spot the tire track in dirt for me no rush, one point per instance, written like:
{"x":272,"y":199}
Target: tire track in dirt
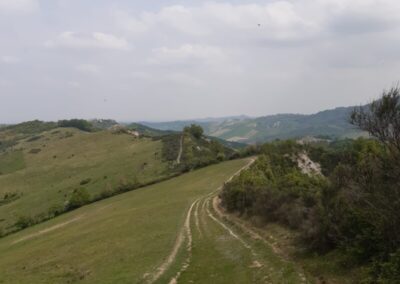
{"x":178,"y":243}
{"x":256,"y":236}
{"x":196,"y":218}
{"x":189,"y":236}
{"x":186,"y":233}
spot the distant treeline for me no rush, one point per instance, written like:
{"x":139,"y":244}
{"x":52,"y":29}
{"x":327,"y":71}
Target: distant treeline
{"x":354,"y":207}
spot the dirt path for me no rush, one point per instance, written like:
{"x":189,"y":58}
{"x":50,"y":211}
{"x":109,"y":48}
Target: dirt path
{"x":48,"y":230}
{"x":254,"y":235}
{"x":151,"y":278}
{"x":178,"y":159}
{"x":186,"y":233}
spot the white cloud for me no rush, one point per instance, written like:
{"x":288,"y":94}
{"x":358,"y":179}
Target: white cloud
{"x":94,"y":40}
{"x":88,"y":68}
{"x":187,"y":52}
{"x":9,"y":59}
{"x":18,"y":6}
{"x":275,"y":21}
{"x":279,"y":20}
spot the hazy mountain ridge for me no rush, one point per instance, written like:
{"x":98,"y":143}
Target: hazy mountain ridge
{"x":333,"y":123}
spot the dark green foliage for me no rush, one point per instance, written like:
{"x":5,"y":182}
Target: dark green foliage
{"x":55,"y":210}
{"x":78,"y":198}
{"x":24,"y":222}
{"x":355,"y":209}
{"x":195,"y":130}
{"x":171,"y":145}
{"x":274,"y":188}
{"x":196,"y":152}
{"x":80,"y":124}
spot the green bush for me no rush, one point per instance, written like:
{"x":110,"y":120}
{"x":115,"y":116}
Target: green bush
{"x":81,"y":124}
{"x":78,"y":198}
{"x":24,"y":222}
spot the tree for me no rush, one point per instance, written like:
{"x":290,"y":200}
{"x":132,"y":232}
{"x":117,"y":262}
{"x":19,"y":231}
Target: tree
{"x":80,"y":124}
{"x":381,"y":119}
{"x":195,"y":130}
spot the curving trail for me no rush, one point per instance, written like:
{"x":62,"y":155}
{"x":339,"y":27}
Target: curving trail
{"x":220,"y":249}
{"x":185,"y":233}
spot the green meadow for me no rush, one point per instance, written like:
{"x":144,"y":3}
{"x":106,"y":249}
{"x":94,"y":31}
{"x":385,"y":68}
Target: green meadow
{"x":123,"y":239}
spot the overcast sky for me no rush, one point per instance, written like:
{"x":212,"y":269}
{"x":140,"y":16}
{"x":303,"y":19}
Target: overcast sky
{"x":163,"y":60}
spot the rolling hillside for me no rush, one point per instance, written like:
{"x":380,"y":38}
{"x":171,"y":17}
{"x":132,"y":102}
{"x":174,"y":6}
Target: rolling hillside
{"x":332,"y":123}
{"x":44,"y":169}
{"x":165,"y":233}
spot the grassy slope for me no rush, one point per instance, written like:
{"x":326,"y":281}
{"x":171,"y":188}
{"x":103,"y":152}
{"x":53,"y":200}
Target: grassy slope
{"x":68,"y":156}
{"x":115,"y":240}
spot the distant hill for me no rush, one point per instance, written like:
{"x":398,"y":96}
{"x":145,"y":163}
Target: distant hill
{"x":329,"y":123}
{"x":148,"y":131}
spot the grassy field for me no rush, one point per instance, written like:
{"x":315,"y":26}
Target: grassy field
{"x":43,"y":170}
{"x":116,"y":240}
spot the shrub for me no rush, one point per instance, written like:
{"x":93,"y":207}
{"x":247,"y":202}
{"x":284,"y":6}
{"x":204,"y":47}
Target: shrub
{"x":55,"y":210}
{"x":81,"y":124}
{"x":24,"y":222}
{"x":78,"y":198}
{"x":195,"y":130}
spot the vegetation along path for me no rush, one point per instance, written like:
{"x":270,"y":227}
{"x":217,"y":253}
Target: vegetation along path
{"x":171,"y":232}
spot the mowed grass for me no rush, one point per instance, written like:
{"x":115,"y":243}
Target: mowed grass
{"x":116,"y":240}
{"x":46,"y":170}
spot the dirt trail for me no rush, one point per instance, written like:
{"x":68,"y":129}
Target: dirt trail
{"x":254,"y":235}
{"x":186,"y":233}
{"x":178,"y":159}
{"x":186,"y":263}
{"x":245,"y":244}
{"x":178,"y":243}
{"x":48,"y":230}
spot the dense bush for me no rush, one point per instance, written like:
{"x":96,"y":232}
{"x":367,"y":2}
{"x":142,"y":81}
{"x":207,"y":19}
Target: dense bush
{"x":355,"y":208}
{"x":194,"y":130}
{"x":78,"y":198}
{"x":24,"y":222}
{"x":81,"y":124}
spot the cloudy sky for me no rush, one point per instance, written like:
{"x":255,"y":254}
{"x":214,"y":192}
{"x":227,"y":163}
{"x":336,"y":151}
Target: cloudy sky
{"x":163,"y":60}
